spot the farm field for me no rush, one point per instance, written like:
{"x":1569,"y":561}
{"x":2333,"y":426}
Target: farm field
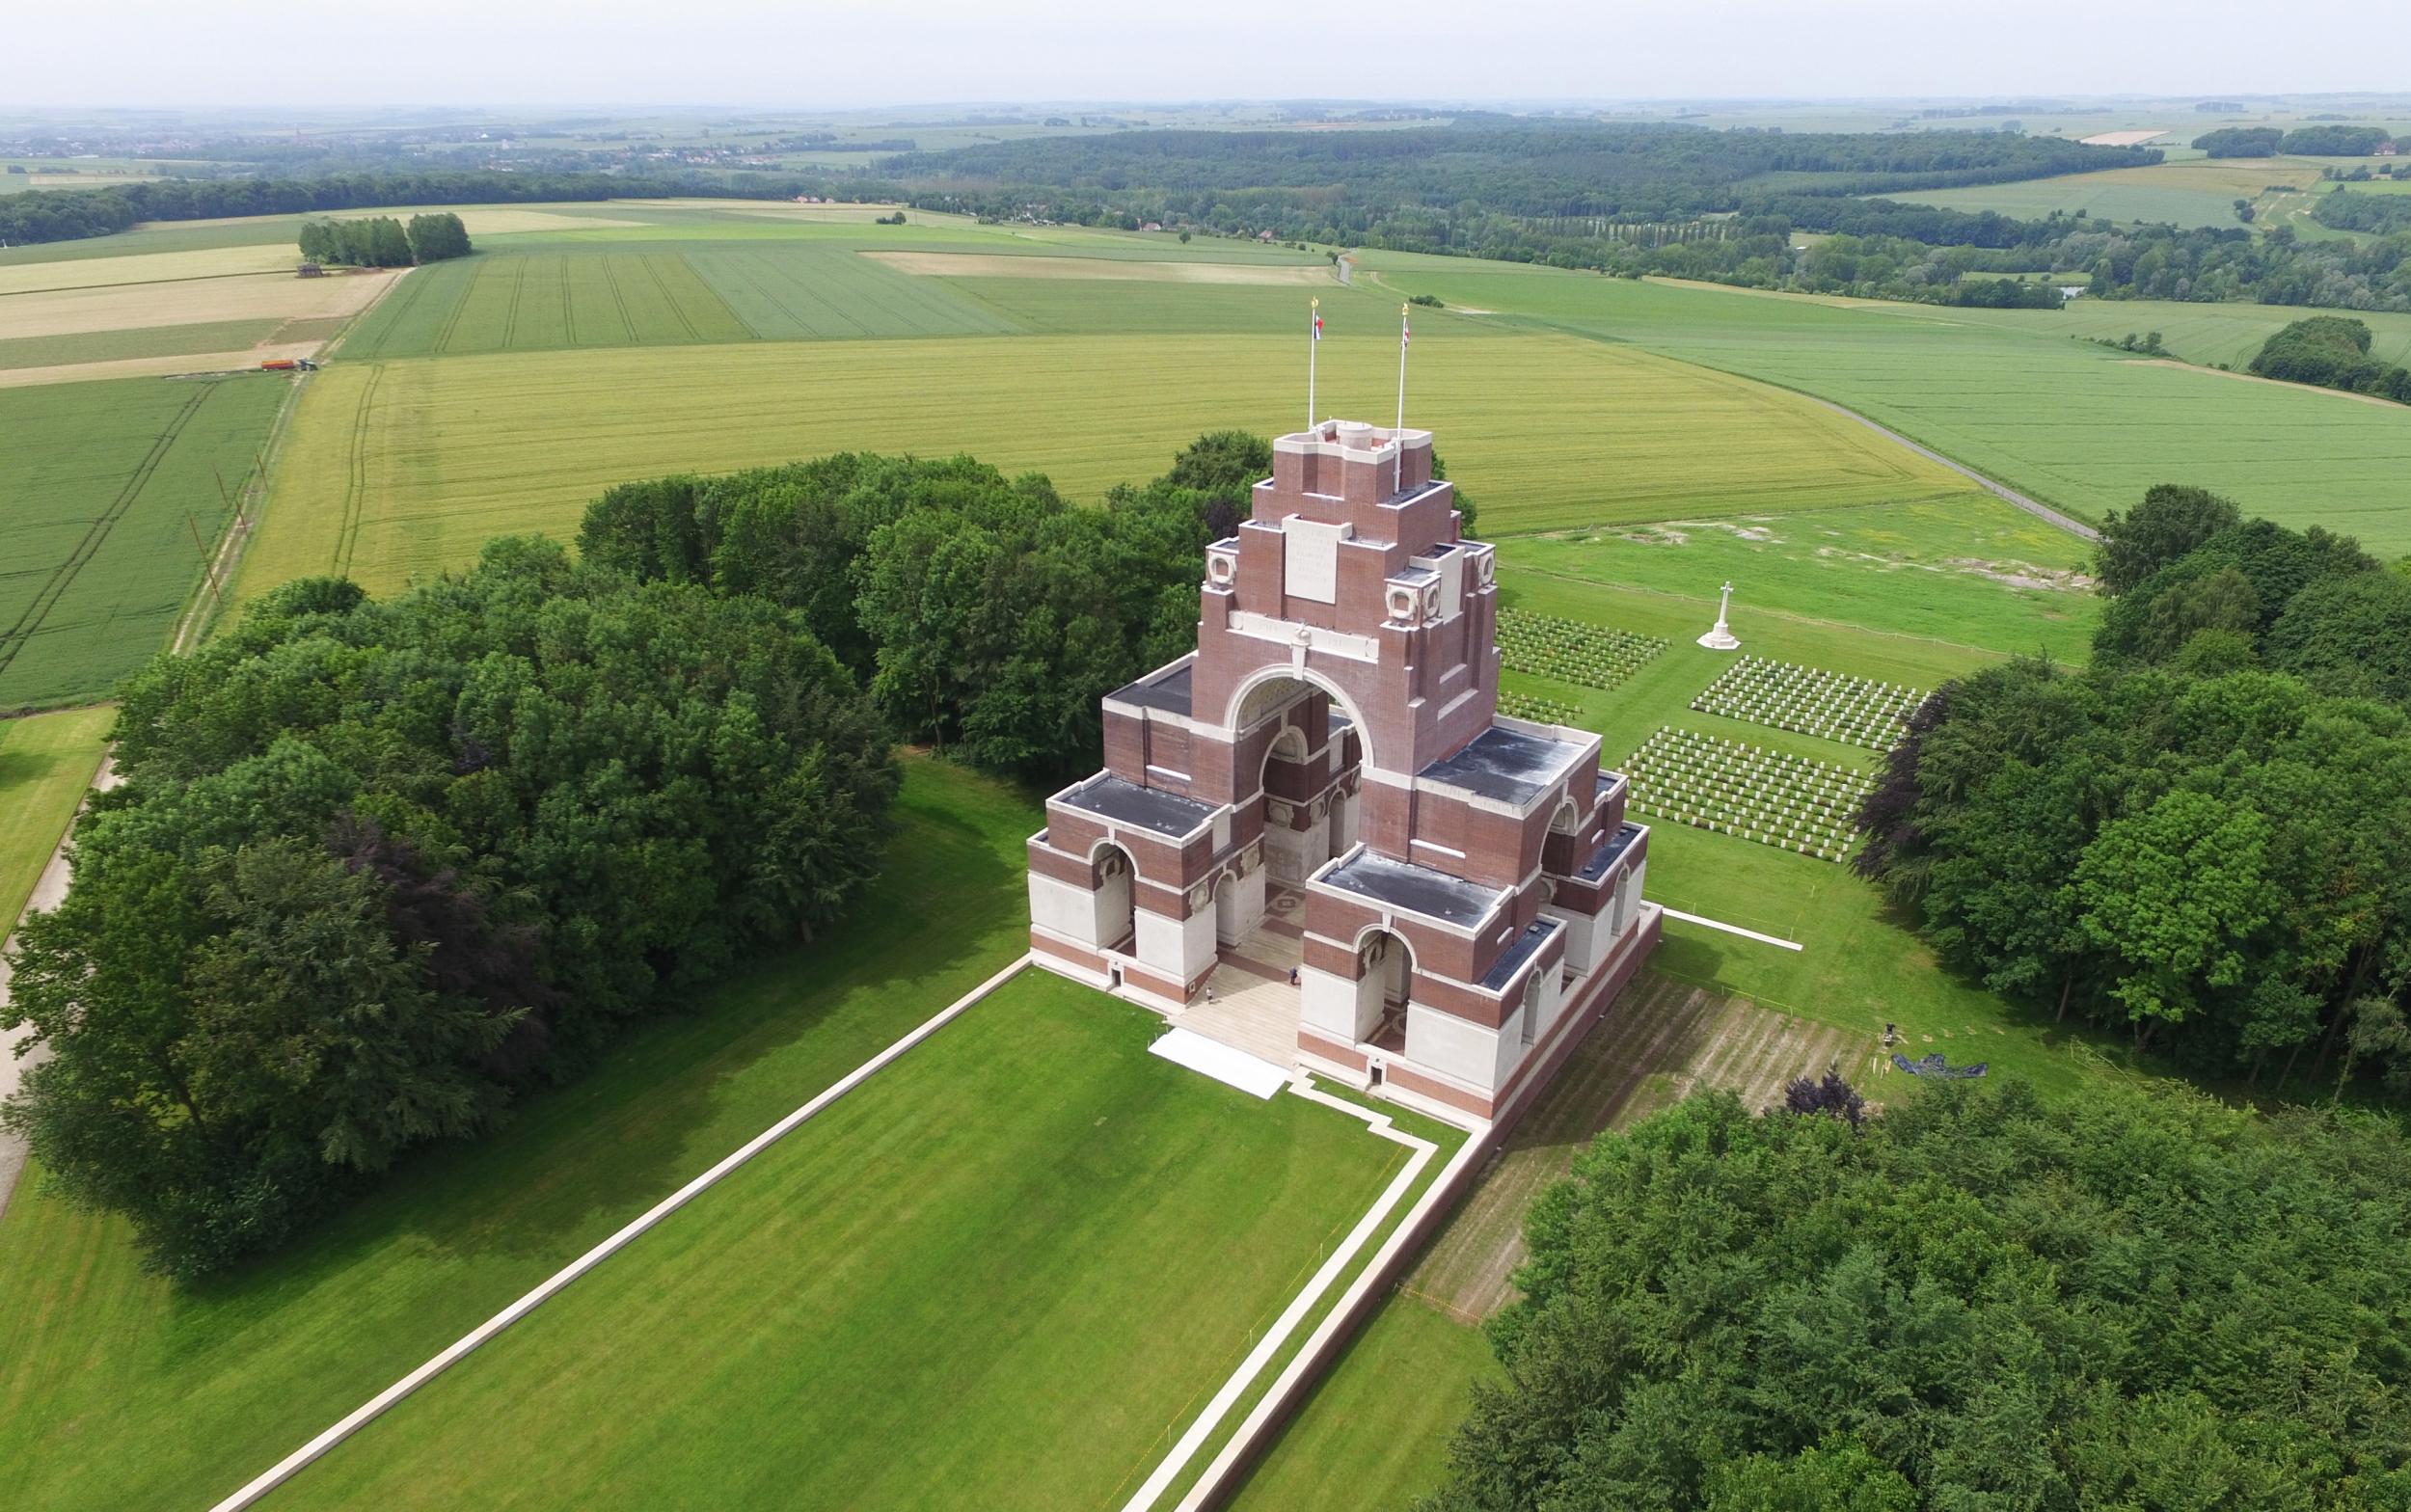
{"x":119,"y":1390}
{"x":1068,"y":1276}
{"x":404,"y":468}
{"x":46,"y":762}
{"x":114,"y":483}
{"x":1968,"y":571}
{"x":2078,"y":426}
{"x":2197,"y":191}
{"x":2204,"y":335}
{"x":100,"y":346}
{"x":252,"y":297}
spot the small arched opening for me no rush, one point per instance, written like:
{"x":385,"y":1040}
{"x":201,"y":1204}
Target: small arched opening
{"x":1385,"y":984}
{"x":1115,"y":882}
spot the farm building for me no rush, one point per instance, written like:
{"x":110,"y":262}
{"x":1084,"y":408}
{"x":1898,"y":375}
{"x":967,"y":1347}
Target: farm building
{"x":1317,"y":840}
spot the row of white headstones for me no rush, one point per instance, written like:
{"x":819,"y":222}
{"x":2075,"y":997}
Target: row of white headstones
{"x":1745,"y":791}
{"x":1834,"y":706}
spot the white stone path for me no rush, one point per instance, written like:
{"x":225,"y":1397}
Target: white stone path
{"x":377,"y":1406}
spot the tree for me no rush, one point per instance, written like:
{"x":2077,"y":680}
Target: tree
{"x":2349,"y":635}
{"x":2173,"y":895}
{"x":376,"y":865}
{"x":435,"y":237}
{"x":2173,"y":519}
{"x":2132,"y":1299}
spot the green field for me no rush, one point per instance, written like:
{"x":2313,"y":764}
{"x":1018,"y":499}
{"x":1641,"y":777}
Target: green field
{"x":2193,"y":191}
{"x":2205,"y":335}
{"x":1964,"y":571}
{"x":46,"y":762}
{"x":100,"y":346}
{"x":118,"y":1390}
{"x":2079,"y":426}
{"x":400,"y":468}
{"x":110,"y":484}
{"x":1002,"y":1272}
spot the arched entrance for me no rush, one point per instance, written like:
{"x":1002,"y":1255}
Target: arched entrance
{"x":1385,"y":984}
{"x":1117,"y":899}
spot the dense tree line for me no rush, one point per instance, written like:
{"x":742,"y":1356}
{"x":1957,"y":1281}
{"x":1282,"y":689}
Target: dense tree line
{"x":1521,"y":166}
{"x":2241,"y":142}
{"x":2333,"y":352}
{"x":2206,"y":838}
{"x":2385,"y":214}
{"x":986,"y":614}
{"x":378,"y":865}
{"x":102,"y":212}
{"x":380,"y":241}
{"x":1974,"y":1300}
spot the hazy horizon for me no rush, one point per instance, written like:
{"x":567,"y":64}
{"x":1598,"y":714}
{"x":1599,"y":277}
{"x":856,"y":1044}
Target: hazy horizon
{"x":852,"y":55}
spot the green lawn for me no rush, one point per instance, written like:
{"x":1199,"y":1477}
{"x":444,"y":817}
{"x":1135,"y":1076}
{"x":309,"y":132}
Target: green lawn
{"x":1375,"y":1432}
{"x":1968,"y":571}
{"x":46,"y":762}
{"x":1002,"y":1272}
{"x":118,"y":1389}
{"x":2077,"y":425}
{"x":110,"y":484}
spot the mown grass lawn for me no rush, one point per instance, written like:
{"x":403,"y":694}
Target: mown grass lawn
{"x":118,"y":1389}
{"x":1001,"y":1273}
{"x":46,"y":762}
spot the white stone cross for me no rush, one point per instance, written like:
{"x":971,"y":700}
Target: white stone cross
{"x":1721,"y":637}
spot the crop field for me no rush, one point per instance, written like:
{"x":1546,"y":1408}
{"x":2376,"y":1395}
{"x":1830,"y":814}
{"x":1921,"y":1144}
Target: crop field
{"x":46,"y":762}
{"x":111,"y":482}
{"x":100,"y":346}
{"x":144,"y":267}
{"x":2193,"y":192}
{"x":402,"y":469}
{"x":2205,"y":335}
{"x":265,"y":296}
{"x":2076,"y":425}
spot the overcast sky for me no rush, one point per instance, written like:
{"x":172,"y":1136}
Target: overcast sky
{"x":810,"y":54}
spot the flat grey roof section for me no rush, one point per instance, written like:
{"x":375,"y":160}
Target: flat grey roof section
{"x":1167,"y":814}
{"x":1409,"y":889}
{"x":1617,"y":844}
{"x":1169,"y":693}
{"x":1507,"y":765}
{"x":1503,"y":970}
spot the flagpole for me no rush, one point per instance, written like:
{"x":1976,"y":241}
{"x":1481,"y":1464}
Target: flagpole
{"x":1397,"y":467}
{"x":1314,"y":340}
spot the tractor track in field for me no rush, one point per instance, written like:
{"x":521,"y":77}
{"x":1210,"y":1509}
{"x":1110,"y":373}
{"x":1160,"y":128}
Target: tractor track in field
{"x":677,"y":311}
{"x":356,"y":475}
{"x":63,"y":576}
{"x":620,"y":300}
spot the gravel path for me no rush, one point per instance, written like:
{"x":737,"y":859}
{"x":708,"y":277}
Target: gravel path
{"x":2033,"y":506}
{"x":48,"y":890}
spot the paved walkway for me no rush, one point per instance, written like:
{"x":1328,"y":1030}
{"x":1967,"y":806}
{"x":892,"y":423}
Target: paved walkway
{"x":48,"y":891}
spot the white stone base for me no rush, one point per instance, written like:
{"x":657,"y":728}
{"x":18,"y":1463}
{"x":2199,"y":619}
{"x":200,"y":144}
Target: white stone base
{"x":1720,"y":639}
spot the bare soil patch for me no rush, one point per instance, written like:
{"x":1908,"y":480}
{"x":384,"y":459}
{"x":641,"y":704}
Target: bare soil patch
{"x":155,"y":366}
{"x":1000,"y":265}
{"x":267,"y":296}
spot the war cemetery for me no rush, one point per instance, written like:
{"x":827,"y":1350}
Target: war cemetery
{"x":910,"y":816}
